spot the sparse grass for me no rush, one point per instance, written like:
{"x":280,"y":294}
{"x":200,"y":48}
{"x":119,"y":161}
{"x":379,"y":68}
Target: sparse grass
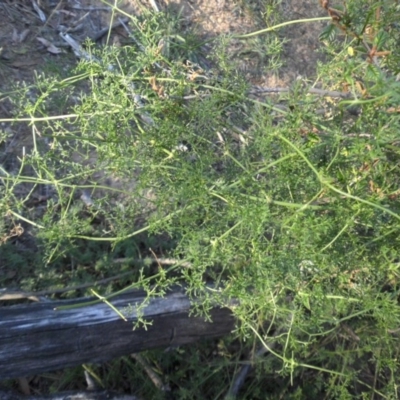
{"x":292,"y":211}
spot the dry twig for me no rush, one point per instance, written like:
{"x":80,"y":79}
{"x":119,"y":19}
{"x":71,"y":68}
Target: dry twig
{"x":150,"y":372}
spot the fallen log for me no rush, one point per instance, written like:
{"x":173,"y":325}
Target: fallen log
{"x":40,"y":337}
{"x":83,"y":395}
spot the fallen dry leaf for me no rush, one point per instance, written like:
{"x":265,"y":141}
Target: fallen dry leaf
{"x":69,"y":13}
{"x":19,"y":37}
{"x":23,"y":35}
{"x":49,"y":46}
{"x":40,"y":13}
{"x":24,"y":63}
{"x":15,"y":36}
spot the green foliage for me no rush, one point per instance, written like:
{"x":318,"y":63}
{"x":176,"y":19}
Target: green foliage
{"x":293,"y":213}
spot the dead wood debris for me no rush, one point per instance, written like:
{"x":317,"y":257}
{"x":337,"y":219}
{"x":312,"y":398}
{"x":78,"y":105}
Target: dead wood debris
{"x":70,"y":395}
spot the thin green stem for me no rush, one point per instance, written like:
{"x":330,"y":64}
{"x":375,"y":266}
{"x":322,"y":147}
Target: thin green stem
{"x":283,"y":24}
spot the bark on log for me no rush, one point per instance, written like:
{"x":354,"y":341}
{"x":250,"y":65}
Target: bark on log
{"x":86,"y":395}
{"x":35,"y":338}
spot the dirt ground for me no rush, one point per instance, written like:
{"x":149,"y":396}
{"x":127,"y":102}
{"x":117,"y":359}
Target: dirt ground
{"x":29,"y":37}
{"x":30,"y":42}
{"x":30,"y":45}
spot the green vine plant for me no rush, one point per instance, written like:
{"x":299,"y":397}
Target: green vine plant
{"x":287,"y":204}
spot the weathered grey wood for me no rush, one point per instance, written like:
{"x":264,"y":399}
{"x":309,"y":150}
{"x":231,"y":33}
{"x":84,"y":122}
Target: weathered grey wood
{"x":35,"y":338}
{"x":86,"y":395}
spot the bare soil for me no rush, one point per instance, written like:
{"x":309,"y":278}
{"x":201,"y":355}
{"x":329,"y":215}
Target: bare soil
{"x":30,"y":43}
